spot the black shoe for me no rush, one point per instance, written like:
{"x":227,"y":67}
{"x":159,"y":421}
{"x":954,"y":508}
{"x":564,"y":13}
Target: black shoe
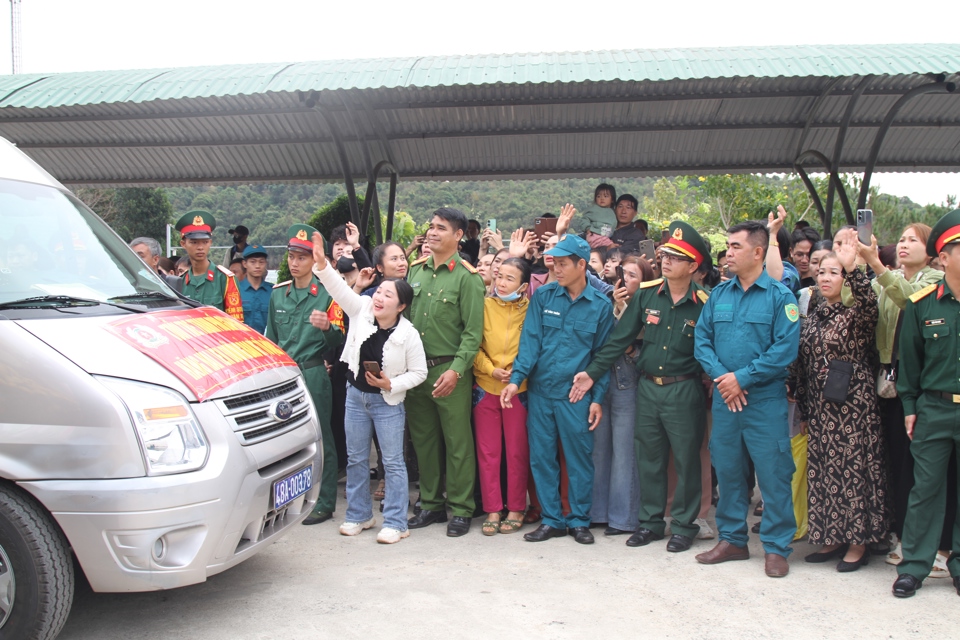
{"x":756,"y":527}
{"x":582,"y":535}
{"x":643,"y":537}
{"x":759,"y":510}
{"x":906,"y":585}
{"x":679,"y":543}
{"x":613,"y":531}
{"x":425,"y":518}
{"x":846,"y":567}
{"x":316,"y":517}
{"x":956,"y":584}
{"x":823,"y":556}
{"x":458,"y":526}
{"x":544,"y":532}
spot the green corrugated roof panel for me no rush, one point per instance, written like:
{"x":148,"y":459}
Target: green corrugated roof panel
{"x":33,"y":91}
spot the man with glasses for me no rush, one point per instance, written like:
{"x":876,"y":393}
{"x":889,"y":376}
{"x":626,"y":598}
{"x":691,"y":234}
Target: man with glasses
{"x":671,"y":401}
{"x":801,"y":244}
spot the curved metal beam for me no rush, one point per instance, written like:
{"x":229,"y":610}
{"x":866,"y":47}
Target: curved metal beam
{"x":344,"y":163}
{"x":826,"y":213}
{"x":838,"y":152}
{"x":933,"y":87}
{"x":813,"y":113}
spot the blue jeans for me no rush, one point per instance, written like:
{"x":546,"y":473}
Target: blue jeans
{"x":364,"y":413}
{"x":616,"y":482}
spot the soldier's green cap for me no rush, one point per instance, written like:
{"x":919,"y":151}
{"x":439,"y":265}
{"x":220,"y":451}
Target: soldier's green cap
{"x":685,"y":241}
{"x":946,"y":231}
{"x":197,"y":224}
{"x":300,"y":238}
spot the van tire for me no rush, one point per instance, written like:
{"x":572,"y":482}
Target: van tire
{"x":40,"y":565}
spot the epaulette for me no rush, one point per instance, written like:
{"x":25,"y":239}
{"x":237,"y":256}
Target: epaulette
{"x":226,"y":271}
{"x":923,"y":293}
{"x":702,"y":295}
{"x":281,"y":284}
{"x":469,"y":267}
{"x":651,"y":283}
{"x":419,"y":261}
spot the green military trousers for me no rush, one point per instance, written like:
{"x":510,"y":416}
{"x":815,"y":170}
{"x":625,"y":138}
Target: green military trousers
{"x":935,"y":435}
{"x":318,"y":382}
{"x":670,"y":417}
{"x":443,"y":439}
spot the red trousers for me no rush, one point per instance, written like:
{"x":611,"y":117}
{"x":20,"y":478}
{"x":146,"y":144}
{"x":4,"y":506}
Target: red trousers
{"x":502,"y":432}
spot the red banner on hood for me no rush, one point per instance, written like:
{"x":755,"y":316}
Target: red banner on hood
{"x":205,"y":348}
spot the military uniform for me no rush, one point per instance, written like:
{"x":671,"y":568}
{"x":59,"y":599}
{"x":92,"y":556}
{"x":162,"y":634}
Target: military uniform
{"x":671,"y":403}
{"x":447,"y":311}
{"x":929,"y":386}
{"x":754,"y":334}
{"x":218,"y":286}
{"x":288,"y":325}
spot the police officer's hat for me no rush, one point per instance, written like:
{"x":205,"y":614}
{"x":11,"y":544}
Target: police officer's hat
{"x":196,"y":225}
{"x":300,"y":238}
{"x":570,"y":245}
{"x":684,"y":241}
{"x":946,"y":231}
{"x":254,"y":250}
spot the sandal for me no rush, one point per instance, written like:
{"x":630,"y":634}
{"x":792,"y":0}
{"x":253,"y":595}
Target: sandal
{"x":491,"y":527}
{"x":510,"y":526}
{"x":380,"y":492}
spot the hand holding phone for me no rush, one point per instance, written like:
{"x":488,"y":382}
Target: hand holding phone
{"x":864,"y":226}
{"x":372,"y":366}
{"x":620,"y":275}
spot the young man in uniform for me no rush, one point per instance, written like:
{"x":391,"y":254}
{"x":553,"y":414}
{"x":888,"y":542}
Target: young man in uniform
{"x":447,"y":310}
{"x":745,"y":339}
{"x":304,"y":321}
{"x":204,"y":282}
{"x":254,"y":289}
{"x":930,"y":390}
{"x":566,"y":324}
{"x":671,"y":403}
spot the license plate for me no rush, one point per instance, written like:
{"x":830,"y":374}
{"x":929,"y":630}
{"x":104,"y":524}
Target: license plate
{"x":292,"y":487}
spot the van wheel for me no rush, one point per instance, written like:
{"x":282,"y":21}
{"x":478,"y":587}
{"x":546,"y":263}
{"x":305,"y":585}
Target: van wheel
{"x":36,"y":571}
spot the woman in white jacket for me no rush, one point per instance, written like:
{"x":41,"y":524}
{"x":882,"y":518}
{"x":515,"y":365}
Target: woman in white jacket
{"x":385,"y":358}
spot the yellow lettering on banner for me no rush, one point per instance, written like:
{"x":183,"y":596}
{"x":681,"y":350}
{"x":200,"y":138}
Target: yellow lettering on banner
{"x":181,"y":329}
{"x":192,"y":367}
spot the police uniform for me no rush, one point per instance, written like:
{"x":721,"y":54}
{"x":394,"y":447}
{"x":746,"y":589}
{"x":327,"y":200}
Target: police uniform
{"x":447,"y":311}
{"x":256,"y":302}
{"x":218,"y":286}
{"x":671,"y":404}
{"x":560,"y":337}
{"x":929,"y":386}
{"x":754,"y":334}
{"x":288,"y":325}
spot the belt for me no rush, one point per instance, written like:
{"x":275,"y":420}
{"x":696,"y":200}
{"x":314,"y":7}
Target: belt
{"x":665,"y":380}
{"x":952,"y":397}
{"x":311,"y":363}
{"x":432,"y":362}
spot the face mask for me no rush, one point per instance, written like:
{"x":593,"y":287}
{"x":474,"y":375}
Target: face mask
{"x":346,"y":265}
{"x":510,"y":297}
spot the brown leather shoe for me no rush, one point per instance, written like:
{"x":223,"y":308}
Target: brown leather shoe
{"x":775,"y":565}
{"x":723,"y":552}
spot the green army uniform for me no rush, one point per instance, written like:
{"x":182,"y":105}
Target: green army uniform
{"x":288,"y":325}
{"x":447,"y":310}
{"x":929,"y":387}
{"x":208,"y":289}
{"x":671,"y":402}
{"x":217,"y":287}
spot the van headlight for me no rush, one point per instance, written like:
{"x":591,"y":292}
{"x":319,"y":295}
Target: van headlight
{"x":170,"y":435}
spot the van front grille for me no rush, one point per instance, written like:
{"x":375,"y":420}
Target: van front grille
{"x":252,"y":418}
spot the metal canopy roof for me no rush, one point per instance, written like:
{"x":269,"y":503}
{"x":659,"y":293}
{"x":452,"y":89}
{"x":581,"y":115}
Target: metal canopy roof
{"x":638,"y":112}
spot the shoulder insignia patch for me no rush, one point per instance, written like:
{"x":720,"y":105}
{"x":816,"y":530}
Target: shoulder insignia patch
{"x":282,"y":284}
{"x":793,"y":312}
{"x":651,"y":283}
{"x":225,"y":271}
{"x":469,"y":267}
{"x":419,"y":261}
{"x":702,"y":295}
{"x":923,"y":293}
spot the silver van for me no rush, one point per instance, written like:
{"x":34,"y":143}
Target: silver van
{"x":159,"y":441}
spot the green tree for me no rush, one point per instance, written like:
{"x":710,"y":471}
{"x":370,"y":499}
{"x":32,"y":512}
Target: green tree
{"x":131,"y":212}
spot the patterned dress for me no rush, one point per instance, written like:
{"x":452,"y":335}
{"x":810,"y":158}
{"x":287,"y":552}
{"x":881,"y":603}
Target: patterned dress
{"x":846,"y":472}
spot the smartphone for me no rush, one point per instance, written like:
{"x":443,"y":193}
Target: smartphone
{"x":622,"y":282}
{"x":492,"y":224}
{"x":544,"y":225}
{"x":649,"y":249}
{"x":865,"y":226}
{"x":372,"y":366}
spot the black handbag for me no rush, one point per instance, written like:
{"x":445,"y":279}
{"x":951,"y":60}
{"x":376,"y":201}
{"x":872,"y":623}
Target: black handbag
{"x":837,"y":385}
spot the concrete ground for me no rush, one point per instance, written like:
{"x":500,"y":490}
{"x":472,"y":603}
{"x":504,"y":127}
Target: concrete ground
{"x":316,"y":583}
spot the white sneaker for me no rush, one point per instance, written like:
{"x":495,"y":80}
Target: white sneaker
{"x":706,"y":532}
{"x":895,"y":557}
{"x":939,"y":569}
{"x":391,"y":536}
{"x":353,"y":528}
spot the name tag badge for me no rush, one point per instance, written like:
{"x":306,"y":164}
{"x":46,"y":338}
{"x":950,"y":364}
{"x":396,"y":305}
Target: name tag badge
{"x":935,"y":323}
{"x":653,"y":316}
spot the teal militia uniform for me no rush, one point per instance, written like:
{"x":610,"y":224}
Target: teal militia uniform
{"x":447,"y":311}
{"x":929,"y":386}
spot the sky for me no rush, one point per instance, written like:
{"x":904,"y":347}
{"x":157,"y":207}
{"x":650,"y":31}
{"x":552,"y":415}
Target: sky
{"x":98,"y":35}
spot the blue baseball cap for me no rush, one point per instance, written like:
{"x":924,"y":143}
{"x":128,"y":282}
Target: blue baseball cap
{"x":570,"y":245}
{"x":254,"y":250}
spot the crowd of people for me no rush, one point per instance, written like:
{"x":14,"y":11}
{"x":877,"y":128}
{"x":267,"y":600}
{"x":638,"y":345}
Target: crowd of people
{"x":589,"y":377}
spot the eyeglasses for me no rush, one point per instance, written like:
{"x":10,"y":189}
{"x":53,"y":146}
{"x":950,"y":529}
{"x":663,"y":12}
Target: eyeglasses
{"x":669,"y":257}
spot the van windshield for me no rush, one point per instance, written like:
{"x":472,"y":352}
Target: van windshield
{"x":51,"y":244}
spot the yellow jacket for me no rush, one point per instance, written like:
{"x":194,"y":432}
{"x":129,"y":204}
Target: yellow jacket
{"x":502,"y":323}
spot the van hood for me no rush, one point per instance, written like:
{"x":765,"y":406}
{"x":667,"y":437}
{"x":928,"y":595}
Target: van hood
{"x":89,"y":343}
